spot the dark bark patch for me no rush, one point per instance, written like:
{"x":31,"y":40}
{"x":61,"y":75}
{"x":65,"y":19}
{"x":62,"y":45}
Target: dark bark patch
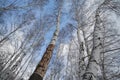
{"x":35,"y":76}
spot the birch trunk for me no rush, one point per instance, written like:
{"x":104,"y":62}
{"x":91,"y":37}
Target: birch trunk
{"x":93,"y":71}
{"x":93,"y":66}
{"x":43,"y":64}
{"x":82,"y":53}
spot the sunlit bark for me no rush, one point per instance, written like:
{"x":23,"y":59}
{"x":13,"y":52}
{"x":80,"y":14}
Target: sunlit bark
{"x":43,"y":64}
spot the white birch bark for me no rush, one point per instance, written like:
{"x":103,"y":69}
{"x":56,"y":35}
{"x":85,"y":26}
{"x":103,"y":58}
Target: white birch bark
{"x":93,"y":71}
{"x":82,"y":53}
{"x":54,"y":39}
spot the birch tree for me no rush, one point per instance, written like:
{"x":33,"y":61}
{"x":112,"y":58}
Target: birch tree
{"x":79,"y":18}
{"x":93,"y":71}
{"x":43,"y":64}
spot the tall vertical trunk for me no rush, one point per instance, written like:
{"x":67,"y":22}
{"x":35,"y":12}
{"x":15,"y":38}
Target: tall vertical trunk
{"x":93,"y":71}
{"x":82,"y":61}
{"x":82,"y":53}
{"x":43,"y":64}
{"x":93,"y":66}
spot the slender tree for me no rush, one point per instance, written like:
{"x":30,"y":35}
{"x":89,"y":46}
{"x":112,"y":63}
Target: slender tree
{"x":93,"y":71}
{"x":43,"y":64}
{"x":79,"y":17}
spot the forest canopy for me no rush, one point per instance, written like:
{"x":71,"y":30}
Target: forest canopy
{"x":59,"y":40}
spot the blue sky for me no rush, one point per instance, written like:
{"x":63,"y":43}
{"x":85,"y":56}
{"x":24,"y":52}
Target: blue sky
{"x":17,"y":15}
{"x":65,"y":18}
